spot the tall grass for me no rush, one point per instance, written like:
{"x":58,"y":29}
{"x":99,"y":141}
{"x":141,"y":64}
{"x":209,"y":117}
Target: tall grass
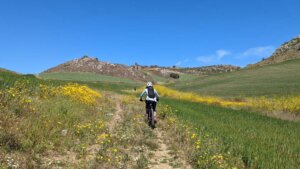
{"x":260,"y":141}
{"x":278,"y":79}
{"x":38,"y":117}
{"x":285,"y":104}
{"x":80,"y":76}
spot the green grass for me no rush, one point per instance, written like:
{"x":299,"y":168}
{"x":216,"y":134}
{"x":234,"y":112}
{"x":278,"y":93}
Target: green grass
{"x":159,"y":79}
{"x":187,"y":77}
{"x":29,"y":130}
{"x":87,"y":77}
{"x":8,"y":79}
{"x":260,"y":141}
{"x":278,"y":79}
{"x":166,"y":80}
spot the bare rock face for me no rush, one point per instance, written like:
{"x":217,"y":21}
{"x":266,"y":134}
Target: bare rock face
{"x":287,"y":51}
{"x":93,"y":65}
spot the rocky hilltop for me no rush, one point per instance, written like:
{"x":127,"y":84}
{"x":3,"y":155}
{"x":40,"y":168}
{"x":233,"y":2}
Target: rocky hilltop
{"x":135,"y":72}
{"x":93,"y":65}
{"x":287,"y":51}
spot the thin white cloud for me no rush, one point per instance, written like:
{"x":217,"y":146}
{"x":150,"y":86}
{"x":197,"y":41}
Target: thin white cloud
{"x":222,"y":53}
{"x":205,"y":59}
{"x":218,"y":56}
{"x":262,"y":51}
{"x":178,"y":63}
{"x":240,"y":58}
{"x":181,"y":62}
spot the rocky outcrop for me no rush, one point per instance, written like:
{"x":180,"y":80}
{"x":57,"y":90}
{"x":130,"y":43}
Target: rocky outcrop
{"x":93,"y":65}
{"x":288,"y":51}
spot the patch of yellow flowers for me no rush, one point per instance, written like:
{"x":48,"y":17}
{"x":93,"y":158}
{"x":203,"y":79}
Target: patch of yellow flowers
{"x":23,"y":95}
{"x":80,"y":93}
{"x":165,"y":91}
{"x":276,"y":104}
{"x":289,"y":104}
{"x":20,"y":97}
{"x":74,"y":91}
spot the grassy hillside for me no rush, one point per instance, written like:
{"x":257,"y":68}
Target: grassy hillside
{"x":42,"y":119}
{"x":183,"y":77}
{"x":8,"y":71}
{"x":260,"y":141}
{"x":278,"y":79}
{"x":8,"y":79}
{"x":87,"y":77}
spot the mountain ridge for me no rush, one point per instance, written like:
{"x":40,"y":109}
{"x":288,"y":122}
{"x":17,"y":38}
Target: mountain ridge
{"x":287,"y":51}
{"x":93,"y":65}
{"x":135,"y":72}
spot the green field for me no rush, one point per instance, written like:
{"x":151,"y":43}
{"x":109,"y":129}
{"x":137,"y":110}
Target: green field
{"x":260,"y":141}
{"x":7,"y":79}
{"x":187,"y":77}
{"x":86,"y":77}
{"x":183,"y":77}
{"x":278,"y":79}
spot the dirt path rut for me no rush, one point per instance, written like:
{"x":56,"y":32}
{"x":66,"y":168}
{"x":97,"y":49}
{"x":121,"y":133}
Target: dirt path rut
{"x":163,"y":157}
{"x":117,"y":116}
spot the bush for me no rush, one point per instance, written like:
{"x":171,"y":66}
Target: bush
{"x":174,"y":75}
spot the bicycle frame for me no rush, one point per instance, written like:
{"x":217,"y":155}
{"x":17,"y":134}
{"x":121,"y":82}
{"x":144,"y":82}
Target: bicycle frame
{"x":151,"y":122}
{"x":150,"y":113}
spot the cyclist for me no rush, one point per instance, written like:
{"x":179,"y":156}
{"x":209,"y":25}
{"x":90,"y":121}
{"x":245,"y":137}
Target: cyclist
{"x":151,"y":97}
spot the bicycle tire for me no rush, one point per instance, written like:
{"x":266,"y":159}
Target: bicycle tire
{"x":152,"y":118}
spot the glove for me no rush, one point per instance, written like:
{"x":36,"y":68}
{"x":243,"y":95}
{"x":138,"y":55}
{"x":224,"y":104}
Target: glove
{"x":157,"y":99}
{"x":141,"y":99}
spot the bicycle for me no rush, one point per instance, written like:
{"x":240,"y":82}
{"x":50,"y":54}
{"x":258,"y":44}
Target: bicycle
{"x":151,"y":120}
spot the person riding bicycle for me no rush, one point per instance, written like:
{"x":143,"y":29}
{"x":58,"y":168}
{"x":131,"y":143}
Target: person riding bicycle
{"x":151,"y":98}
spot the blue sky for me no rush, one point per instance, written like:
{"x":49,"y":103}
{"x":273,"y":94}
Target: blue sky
{"x":37,"y":35}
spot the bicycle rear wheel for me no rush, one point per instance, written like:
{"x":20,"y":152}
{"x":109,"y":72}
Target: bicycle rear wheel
{"x":152,"y":118}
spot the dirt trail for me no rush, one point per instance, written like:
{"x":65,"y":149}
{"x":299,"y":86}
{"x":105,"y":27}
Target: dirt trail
{"x":117,"y":116}
{"x":162,"y":158}
{"x":114,"y":121}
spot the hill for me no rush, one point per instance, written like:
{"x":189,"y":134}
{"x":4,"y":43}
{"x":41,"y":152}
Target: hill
{"x":84,"y":77}
{"x":93,"y":65}
{"x":209,"y":70}
{"x":91,"y":69}
{"x":164,"y":75}
{"x":8,"y":71}
{"x":276,"y":79}
{"x":288,"y":51}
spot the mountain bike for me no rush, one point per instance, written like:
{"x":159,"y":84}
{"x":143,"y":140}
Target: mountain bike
{"x":150,"y":113}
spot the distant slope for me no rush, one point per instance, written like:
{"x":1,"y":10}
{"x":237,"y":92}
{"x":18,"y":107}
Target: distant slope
{"x":6,"y":77}
{"x":209,"y":70}
{"x":135,"y":73}
{"x":288,"y":51}
{"x":84,"y":76}
{"x":93,"y":65}
{"x":161,"y":75}
{"x":8,"y":71}
{"x":276,"y":79}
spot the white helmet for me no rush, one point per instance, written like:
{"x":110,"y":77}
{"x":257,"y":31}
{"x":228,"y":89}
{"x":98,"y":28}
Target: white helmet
{"x":149,"y":84}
